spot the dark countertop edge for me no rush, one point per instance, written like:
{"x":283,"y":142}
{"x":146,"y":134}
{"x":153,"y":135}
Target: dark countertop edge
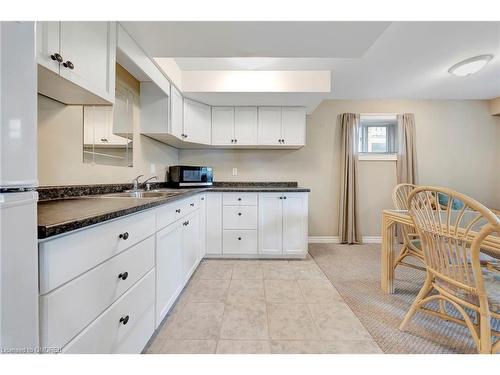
{"x":45,"y":232}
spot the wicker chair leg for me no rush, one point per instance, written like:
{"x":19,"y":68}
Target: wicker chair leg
{"x":426,"y":288}
{"x":485,"y":340}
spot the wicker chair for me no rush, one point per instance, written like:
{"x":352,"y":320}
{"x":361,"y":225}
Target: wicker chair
{"x":411,"y":242}
{"x":451,"y":243}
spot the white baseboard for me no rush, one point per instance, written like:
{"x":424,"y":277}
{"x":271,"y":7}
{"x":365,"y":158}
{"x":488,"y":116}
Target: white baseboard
{"x":372,"y":239}
{"x":335,"y":239}
{"x":324,"y":239}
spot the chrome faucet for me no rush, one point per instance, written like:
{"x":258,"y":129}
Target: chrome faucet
{"x":148,"y":184}
{"x":135,"y":181}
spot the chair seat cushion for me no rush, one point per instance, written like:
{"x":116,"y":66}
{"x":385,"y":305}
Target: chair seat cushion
{"x":491,"y":284}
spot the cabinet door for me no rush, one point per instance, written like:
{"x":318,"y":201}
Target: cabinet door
{"x":190,"y":244}
{"x":245,"y":125}
{"x":295,"y":223}
{"x":91,"y":48}
{"x":270,"y":223}
{"x":168,"y":276}
{"x":123,"y":114}
{"x":197,"y":122}
{"x":47,"y":44}
{"x":176,"y":113}
{"x":203,"y":227}
{"x":214,"y":223}
{"x":222,"y":126}
{"x":294,"y":125}
{"x":269,"y":125}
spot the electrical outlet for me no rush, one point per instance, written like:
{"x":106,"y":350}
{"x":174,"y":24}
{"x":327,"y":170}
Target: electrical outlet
{"x":235,"y":171}
{"x":152,"y":168}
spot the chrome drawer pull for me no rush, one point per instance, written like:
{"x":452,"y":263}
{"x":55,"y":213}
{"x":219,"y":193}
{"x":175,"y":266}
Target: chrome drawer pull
{"x":124,"y":319}
{"x":123,"y":276}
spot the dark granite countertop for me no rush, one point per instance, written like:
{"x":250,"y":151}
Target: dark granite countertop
{"x":63,"y":209}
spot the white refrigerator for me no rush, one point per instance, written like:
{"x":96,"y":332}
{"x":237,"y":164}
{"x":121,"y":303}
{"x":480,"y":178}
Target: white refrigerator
{"x":18,"y":181}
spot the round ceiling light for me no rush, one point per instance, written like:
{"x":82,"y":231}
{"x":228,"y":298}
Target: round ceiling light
{"x":470,"y":66}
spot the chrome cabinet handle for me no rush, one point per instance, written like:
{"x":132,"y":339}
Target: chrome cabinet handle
{"x":68,"y":64}
{"x":124,"y":319}
{"x":123,"y":236}
{"x":123,"y":275}
{"x":57,"y":57}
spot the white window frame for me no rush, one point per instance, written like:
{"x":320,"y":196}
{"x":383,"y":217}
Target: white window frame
{"x":374,"y":156}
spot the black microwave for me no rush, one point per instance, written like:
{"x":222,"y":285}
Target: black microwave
{"x":189,"y":176}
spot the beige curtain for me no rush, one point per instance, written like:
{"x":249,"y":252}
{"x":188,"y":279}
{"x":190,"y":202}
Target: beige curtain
{"x":348,"y":217}
{"x":407,"y":154}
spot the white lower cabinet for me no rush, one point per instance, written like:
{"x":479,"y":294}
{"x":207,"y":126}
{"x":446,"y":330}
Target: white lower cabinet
{"x":283,"y":223}
{"x":270,"y":223}
{"x":295,"y":223}
{"x":169,"y":282}
{"x":214,"y":224}
{"x":203,"y":227}
{"x":190,"y":245}
{"x":239,"y":242}
{"x":106,"y":288}
{"x":123,"y":328}
{"x":80,"y":301}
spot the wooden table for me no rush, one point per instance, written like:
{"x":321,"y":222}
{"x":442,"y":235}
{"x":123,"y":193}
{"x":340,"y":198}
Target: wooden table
{"x":389,"y":220}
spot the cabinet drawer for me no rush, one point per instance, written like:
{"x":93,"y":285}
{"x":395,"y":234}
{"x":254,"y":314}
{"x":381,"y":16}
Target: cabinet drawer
{"x":107,"y":334}
{"x":170,"y":213}
{"x":239,"y":217}
{"x":67,"y":310}
{"x":62,"y":259}
{"x":243,"y":199}
{"x":239,"y":242}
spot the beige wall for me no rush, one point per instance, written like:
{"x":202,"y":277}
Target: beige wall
{"x":60,"y":138}
{"x":457,"y":144}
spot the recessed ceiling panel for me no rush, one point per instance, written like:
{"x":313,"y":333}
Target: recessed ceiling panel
{"x":255,"y":39}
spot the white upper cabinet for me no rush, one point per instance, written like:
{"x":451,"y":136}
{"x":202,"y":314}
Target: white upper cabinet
{"x":47,"y":45}
{"x":293,"y":126}
{"x":197,"y":122}
{"x":234,"y":126}
{"x":83,"y":56}
{"x":176,"y":113}
{"x":284,"y":126}
{"x":269,"y":126}
{"x":86,"y":48}
{"x":245,"y":126}
{"x":154,"y":109}
{"x":222,"y":126}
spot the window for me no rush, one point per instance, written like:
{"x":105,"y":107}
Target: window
{"x":378,"y":134}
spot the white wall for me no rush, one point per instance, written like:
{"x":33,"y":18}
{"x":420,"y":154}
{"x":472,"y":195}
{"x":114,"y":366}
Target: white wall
{"x":458,"y":146}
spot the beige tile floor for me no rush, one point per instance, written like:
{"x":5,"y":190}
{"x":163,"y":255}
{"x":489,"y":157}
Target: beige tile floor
{"x":261,"y":306}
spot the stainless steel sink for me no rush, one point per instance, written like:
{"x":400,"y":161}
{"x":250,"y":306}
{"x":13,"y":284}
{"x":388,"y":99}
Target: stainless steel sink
{"x":141,"y":194}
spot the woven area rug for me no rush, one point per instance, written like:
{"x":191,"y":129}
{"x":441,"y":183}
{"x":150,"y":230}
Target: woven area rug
{"x":355,"y":272}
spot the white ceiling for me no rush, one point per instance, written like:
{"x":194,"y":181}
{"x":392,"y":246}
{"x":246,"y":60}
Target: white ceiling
{"x":367,"y":60}
{"x":255,"y":39}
